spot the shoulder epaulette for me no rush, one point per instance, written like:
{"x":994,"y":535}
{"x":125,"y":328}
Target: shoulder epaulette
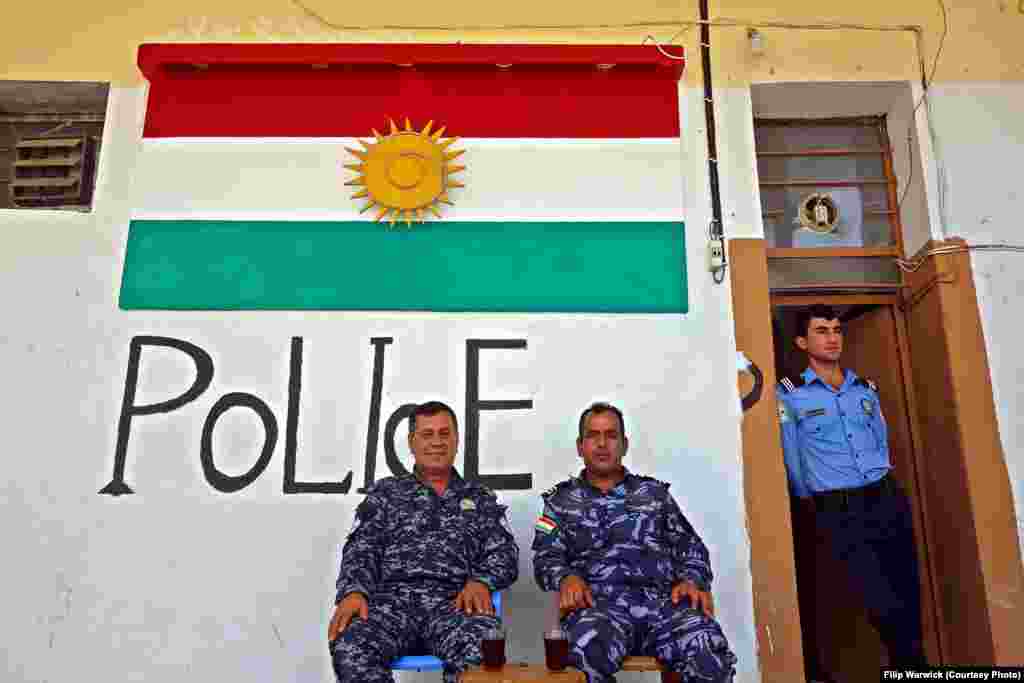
{"x":556,"y":488}
{"x":644,"y":477}
{"x":867,"y":383}
{"x":790,"y":384}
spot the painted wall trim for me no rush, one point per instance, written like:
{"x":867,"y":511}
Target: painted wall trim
{"x":154,"y":56}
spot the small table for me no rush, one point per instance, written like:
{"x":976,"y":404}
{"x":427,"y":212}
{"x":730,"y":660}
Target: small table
{"x":521,"y":673}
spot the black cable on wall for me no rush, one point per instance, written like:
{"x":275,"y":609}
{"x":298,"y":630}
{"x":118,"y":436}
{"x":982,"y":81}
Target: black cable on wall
{"x":715,"y":230}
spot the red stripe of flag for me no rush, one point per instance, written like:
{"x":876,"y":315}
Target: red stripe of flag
{"x":543,"y":91}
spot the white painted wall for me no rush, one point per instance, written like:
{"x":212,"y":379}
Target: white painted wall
{"x":980,"y":147}
{"x":181,"y":582}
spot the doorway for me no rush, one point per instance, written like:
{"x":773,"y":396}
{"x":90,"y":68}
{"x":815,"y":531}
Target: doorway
{"x":838,"y":640}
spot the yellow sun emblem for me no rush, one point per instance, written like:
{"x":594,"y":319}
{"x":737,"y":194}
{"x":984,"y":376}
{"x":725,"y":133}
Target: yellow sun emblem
{"x":405,"y":172}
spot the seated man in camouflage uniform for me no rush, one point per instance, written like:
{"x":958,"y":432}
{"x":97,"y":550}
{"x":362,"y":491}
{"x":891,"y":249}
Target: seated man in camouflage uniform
{"x":633,"y":576}
{"x":425,"y":552}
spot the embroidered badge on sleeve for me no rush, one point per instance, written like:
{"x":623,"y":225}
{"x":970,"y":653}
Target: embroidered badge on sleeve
{"x":546,"y":525}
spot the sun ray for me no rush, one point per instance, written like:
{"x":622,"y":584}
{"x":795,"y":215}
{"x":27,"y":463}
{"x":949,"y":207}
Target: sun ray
{"x":404,"y":175}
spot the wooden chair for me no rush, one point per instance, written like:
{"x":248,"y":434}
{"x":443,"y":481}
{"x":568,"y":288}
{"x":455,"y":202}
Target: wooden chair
{"x":632,"y":663}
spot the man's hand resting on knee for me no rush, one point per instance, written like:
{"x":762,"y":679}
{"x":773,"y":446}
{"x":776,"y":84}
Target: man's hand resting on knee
{"x":699,"y":600}
{"x":474,"y":598}
{"x":353,"y":604}
{"x":573,"y":594}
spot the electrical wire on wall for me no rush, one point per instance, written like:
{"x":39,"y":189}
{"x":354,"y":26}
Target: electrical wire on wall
{"x":914,"y":264}
{"x":716,"y":231}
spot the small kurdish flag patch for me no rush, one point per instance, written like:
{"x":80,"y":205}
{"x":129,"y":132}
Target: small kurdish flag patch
{"x":546,"y":524}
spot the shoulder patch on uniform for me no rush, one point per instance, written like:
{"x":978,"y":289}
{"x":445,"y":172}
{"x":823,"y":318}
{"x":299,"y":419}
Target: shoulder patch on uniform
{"x":784,"y":415}
{"x":483,"y":490}
{"x":546,"y":525}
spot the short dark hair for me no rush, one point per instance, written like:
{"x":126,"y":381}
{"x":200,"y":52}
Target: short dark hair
{"x":598,"y":408}
{"x":803,"y":318}
{"x":431,"y":408}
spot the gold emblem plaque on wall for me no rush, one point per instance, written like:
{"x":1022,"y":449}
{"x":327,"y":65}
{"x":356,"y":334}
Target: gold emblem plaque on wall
{"x":405,"y":173}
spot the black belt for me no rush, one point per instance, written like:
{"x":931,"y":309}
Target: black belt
{"x":844,"y":499}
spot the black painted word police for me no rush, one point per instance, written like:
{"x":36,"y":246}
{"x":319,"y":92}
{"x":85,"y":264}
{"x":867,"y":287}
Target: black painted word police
{"x":229,"y":484}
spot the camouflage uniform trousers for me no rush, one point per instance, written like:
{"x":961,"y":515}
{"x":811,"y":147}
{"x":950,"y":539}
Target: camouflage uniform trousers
{"x":643,"y":621}
{"x":403,"y":620}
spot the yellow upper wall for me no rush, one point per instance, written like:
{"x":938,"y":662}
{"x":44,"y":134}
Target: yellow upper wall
{"x":98,"y":40}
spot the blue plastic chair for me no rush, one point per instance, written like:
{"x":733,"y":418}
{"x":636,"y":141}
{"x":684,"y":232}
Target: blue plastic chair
{"x":430,"y":662}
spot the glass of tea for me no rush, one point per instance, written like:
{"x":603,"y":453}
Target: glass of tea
{"x":493,"y":648}
{"x":556,"y":649}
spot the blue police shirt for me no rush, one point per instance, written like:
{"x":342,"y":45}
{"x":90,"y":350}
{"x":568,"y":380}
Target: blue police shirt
{"x":832,"y":438}
{"x":634,"y":535}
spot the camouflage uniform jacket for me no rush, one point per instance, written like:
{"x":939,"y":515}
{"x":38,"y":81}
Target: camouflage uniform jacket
{"x":406,"y":534}
{"x":635,"y":535}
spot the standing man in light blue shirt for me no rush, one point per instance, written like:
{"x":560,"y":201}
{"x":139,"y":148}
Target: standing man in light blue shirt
{"x":836,"y":449}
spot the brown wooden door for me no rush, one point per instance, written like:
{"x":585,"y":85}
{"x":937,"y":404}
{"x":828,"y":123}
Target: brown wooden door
{"x":877,"y":347}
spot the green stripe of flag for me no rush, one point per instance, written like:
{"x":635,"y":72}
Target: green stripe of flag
{"x":634,"y":267}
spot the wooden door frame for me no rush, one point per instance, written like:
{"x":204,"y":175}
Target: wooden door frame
{"x":765,"y":490}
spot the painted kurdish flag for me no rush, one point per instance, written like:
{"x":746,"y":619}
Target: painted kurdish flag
{"x":570,"y":199}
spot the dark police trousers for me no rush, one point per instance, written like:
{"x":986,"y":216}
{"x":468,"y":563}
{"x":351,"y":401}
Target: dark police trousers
{"x":403,"y":619}
{"x":870,"y":531}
